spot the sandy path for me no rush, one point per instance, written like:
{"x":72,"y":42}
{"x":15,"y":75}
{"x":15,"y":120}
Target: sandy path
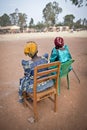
{"x":26,"y":36}
{"x":72,"y":104}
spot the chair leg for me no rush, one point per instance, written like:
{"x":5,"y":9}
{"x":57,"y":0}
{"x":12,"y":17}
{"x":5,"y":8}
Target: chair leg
{"x":55,"y":102}
{"x":68,"y":81}
{"x":59,"y":81}
{"x":35,"y":110}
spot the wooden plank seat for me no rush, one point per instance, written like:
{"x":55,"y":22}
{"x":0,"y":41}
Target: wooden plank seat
{"x":52,"y":73}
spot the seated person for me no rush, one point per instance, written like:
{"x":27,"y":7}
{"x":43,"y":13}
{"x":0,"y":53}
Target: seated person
{"x":26,"y":83}
{"x":60,"y":52}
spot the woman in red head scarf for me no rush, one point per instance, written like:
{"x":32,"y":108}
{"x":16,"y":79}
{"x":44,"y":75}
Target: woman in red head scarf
{"x":59,"y":42}
{"x":60,"y":52}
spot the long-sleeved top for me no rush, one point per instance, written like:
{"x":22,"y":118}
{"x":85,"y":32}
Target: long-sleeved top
{"x":26,"y":83}
{"x":61,"y":55}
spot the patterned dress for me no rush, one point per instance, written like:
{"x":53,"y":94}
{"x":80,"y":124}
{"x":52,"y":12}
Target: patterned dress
{"x":26,"y":83}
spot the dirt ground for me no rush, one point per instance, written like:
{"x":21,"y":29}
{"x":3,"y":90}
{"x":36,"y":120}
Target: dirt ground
{"x":72,"y":104}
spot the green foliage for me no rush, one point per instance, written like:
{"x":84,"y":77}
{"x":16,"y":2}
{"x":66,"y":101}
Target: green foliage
{"x":31,"y":23}
{"x":81,"y":24}
{"x":13,"y":19}
{"x":68,"y":20}
{"x":51,"y":12}
{"x":18,"y":19}
{"x":79,"y":3}
{"x":40,"y":26}
{"x":22,"y":19}
{"x":50,"y":15}
{"x":5,"y":20}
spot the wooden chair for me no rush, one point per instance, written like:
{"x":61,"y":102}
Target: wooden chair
{"x":45,"y":75}
{"x":64,"y":72}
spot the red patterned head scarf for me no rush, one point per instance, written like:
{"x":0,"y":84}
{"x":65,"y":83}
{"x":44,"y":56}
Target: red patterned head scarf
{"x":59,"y":42}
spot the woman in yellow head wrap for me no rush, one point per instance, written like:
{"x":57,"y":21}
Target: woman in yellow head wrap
{"x":26,"y":83}
{"x":30,"y":49}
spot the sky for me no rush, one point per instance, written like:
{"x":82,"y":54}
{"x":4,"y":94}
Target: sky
{"x":34,"y":9}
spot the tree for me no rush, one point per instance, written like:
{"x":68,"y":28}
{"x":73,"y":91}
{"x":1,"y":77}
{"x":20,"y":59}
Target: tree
{"x":40,"y":26}
{"x":78,"y":24}
{"x":18,"y":18}
{"x":51,"y":12}
{"x":84,"y":22}
{"x":14,"y":17}
{"x":31,"y":23}
{"x":79,"y":3}
{"x":5,"y":20}
{"x":22,"y":20}
{"x":68,"y":20}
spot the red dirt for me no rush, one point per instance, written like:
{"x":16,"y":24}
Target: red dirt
{"x":72,"y":104}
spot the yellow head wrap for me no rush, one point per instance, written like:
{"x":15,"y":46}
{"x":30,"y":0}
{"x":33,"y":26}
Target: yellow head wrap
{"x":30,"y":49}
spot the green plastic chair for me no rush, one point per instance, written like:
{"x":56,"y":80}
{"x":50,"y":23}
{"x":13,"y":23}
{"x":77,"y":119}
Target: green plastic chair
{"x":64,"y":72}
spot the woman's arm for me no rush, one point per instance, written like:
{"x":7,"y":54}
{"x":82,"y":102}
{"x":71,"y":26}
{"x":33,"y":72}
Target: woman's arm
{"x":53,"y":55}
